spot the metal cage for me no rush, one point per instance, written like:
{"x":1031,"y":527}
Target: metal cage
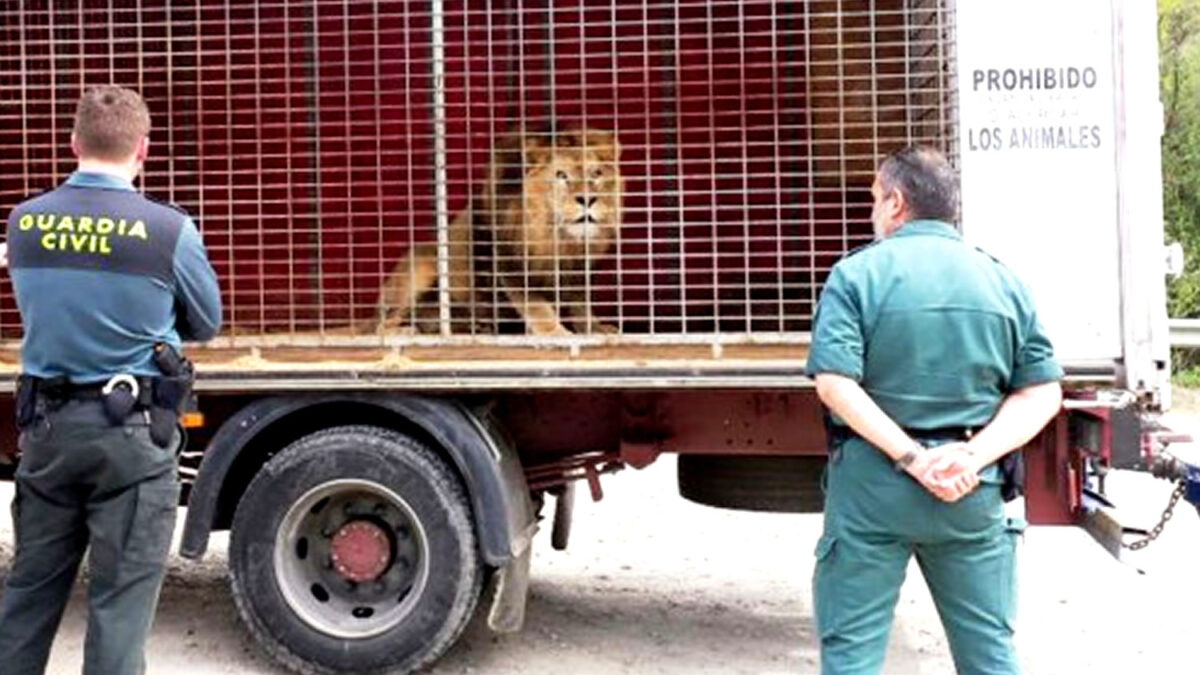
{"x":320,"y":145}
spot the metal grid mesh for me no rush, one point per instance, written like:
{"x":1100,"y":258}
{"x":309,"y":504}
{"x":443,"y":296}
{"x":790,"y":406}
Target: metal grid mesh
{"x":321,"y":145}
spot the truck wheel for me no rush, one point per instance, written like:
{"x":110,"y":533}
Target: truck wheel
{"x":784,"y":484}
{"x":353,"y":551}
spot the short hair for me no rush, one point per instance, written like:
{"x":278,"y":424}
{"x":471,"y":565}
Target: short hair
{"x":110,"y":122}
{"x":926,"y":179}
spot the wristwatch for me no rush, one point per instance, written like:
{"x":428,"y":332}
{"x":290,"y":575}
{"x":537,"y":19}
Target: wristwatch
{"x":905,"y":460}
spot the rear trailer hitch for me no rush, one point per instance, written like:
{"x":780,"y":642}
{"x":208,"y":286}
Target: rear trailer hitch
{"x":1186,"y":477}
{"x":1185,"y":474}
{"x":1123,"y":435}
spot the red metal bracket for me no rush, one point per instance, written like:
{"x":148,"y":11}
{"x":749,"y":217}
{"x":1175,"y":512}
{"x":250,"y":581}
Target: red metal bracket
{"x":589,"y":466}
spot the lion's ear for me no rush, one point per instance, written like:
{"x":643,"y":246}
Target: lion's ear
{"x":508,"y":166}
{"x":537,"y":154}
{"x":519,"y":153}
{"x":614,"y":152}
{"x":603,"y":143}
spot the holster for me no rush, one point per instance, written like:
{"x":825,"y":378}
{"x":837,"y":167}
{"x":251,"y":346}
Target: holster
{"x":171,"y":393}
{"x":26,"y":401}
{"x":831,"y":436}
{"x":1012,"y":475}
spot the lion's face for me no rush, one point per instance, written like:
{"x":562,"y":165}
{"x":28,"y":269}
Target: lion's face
{"x":574,"y":185}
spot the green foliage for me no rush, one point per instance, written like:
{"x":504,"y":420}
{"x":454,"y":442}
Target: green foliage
{"x":1188,"y":378}
{"x":1179,"y":64}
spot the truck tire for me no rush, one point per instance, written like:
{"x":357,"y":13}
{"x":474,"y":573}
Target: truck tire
{"x":353,"y":550}
{"x":790,"y":484}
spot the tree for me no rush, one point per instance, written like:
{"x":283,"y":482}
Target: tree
{"x":1179,"y":64}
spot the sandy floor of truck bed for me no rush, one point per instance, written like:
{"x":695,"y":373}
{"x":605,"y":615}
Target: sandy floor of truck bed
{"x":379,"y":366}
{"x":396,"y":358}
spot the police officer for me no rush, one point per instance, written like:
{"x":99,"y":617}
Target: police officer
{"x":930,"y":356}
{"x":101,"y":275}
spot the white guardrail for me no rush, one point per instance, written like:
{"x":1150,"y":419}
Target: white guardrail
{"x":1185,"y":332}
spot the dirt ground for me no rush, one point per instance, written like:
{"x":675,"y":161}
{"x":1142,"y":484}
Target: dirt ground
{"x":655,"y":584}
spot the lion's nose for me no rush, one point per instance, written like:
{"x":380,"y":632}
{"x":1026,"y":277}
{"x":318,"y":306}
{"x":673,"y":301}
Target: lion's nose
{"x":585,"y":202}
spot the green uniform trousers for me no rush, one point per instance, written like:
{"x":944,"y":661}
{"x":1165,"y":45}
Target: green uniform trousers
{"x":83,"y":483}
{"x":875,"y":519}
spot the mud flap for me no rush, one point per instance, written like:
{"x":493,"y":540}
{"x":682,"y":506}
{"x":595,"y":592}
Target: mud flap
{"x":1102,"y":524}
{"x":509,"y":588}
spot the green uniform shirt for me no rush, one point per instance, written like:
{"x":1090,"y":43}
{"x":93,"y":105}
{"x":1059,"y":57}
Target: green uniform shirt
{"x":936,"y":331}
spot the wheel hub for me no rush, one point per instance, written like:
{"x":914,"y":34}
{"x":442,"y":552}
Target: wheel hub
{"x":360,"y":551}
{"x":351,"y":558}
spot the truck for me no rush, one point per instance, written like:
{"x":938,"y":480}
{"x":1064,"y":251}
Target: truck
{"x":382,"y":480}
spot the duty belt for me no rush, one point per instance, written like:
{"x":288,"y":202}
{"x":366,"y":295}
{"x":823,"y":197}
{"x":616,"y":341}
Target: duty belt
{"x":161,"y":399}
{"x":60,"y":389}
{"x":1012,"y":465}
{"x":840,"y":433}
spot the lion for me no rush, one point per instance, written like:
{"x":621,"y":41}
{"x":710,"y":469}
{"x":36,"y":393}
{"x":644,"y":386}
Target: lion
{"x":548,"y":209}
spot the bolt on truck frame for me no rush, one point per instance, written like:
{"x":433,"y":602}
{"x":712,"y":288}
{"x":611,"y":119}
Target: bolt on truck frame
{"x":377,"y":482}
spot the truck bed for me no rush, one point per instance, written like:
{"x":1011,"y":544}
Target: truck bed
{"x":316,"y":151}
{"x":228,"y":366}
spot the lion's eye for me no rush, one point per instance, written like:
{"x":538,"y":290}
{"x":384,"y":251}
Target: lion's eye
{"x":596,"y":172}
{"x":562,"y":177}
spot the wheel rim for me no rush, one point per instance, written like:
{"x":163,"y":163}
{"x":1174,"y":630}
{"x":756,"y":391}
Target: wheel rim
{"x":351,"y":558}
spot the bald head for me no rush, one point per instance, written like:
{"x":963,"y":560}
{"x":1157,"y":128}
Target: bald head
{"x":925,"y":181}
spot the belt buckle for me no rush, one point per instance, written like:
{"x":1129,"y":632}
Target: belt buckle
{"x":119,"y":379}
